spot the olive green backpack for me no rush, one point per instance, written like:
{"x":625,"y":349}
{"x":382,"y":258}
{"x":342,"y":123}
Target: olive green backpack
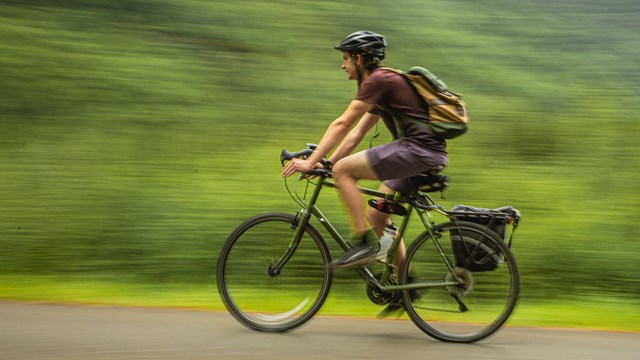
{"x":448,"y":115}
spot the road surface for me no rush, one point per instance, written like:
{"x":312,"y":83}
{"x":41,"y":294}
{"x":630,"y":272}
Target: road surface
{"x":49,"y":331}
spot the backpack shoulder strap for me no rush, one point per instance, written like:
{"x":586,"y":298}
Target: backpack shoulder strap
{"x":435,"y":81}
{"x":391,"y":69}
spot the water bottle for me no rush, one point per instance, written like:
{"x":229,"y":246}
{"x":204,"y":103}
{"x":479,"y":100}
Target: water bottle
{"x":388,"y":236}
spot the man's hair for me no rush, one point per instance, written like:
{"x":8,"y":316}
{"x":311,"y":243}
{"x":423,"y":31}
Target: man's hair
{"x":369,"y":62}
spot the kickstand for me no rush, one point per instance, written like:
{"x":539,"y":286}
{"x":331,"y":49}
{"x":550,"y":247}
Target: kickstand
{"x":461,"y":306}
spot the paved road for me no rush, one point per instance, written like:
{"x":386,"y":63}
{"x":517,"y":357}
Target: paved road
{"x":32,"y":331}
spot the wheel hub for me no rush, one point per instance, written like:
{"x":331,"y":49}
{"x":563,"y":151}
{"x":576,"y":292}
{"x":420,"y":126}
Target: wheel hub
{"x":466,"y":282}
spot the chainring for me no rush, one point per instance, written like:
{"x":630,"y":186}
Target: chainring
{"x":378,"y":296}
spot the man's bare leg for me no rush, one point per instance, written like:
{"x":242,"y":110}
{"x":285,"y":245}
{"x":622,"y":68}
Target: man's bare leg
{"x":346,"y":173}
{"x":378,"y":220}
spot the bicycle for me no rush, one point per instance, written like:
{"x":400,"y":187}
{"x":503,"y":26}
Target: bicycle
{"x":274,"y":272}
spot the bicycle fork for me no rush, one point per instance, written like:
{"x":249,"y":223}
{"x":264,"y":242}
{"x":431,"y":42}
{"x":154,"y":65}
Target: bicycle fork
{"x":298,"y":224}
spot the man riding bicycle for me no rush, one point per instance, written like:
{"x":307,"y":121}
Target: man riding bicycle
{"x":382,"y":94}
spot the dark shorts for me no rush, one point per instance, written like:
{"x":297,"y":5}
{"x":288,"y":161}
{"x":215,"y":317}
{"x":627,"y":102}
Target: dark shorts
{"x":398,"y":161}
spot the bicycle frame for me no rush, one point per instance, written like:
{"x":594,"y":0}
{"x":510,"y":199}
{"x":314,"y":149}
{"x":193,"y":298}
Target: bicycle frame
{"x":310,"y":209}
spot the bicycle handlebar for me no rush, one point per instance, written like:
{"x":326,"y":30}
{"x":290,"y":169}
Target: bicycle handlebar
{"x":286,"y":155}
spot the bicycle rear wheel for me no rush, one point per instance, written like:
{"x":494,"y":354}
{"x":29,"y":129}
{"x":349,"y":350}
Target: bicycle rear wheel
{"x":262,"y":296}
{"x":467,"y":305}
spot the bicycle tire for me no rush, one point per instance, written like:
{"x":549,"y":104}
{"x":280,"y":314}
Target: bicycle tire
{"x":484,"y":302}
{"x":264,"y":301}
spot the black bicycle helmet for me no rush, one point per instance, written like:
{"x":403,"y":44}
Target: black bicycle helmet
{"x":366,"y":42}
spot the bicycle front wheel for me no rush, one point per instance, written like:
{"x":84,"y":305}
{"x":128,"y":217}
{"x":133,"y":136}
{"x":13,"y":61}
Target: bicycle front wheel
{"x":473,"y":277}
{"x":270,"y":281}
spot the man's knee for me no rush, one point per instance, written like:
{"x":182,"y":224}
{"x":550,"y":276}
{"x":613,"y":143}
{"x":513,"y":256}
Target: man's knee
{"x":341,"y":171}
{"x":354,"y":167}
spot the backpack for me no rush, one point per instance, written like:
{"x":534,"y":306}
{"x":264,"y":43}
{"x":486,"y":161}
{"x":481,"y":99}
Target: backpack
{"x":448,"y":115}
{"x":473,"y":251}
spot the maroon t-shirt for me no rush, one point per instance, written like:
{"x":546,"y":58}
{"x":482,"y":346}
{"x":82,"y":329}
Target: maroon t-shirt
{"x":390,"y":93}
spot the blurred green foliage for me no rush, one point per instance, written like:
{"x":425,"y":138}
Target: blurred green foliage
{"x":136,"y":134}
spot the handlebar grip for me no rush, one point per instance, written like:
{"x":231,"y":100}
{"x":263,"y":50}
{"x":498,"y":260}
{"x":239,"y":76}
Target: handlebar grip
{"x":286,"y":155}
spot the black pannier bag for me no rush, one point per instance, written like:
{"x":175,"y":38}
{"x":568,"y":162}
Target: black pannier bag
{"x":474,"y":251}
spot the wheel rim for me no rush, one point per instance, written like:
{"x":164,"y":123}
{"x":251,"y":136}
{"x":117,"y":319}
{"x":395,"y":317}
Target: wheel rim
{"x":261,"y":298}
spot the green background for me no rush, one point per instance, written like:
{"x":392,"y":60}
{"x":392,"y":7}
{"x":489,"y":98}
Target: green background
{"x":136,"y":134}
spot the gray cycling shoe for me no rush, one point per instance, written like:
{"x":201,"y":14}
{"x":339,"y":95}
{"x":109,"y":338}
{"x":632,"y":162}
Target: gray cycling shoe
{"x":361,"y":255}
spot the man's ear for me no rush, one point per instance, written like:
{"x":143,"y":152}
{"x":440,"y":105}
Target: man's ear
{"x":359,"y":59}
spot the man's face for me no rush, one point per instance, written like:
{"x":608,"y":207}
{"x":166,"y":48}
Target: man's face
{"x":349,"y":65}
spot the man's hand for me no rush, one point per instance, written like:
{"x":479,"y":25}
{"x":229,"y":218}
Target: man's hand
{"x":296,"y":165}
